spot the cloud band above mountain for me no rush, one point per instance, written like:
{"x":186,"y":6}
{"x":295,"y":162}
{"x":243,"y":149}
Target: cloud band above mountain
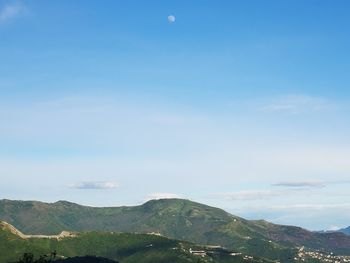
{"x":95,"y":185}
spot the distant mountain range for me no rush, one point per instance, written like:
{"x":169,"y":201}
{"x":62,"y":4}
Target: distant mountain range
{"x":175,"y":218}
{"x":342,"y":230}
{"x":345,"y":230}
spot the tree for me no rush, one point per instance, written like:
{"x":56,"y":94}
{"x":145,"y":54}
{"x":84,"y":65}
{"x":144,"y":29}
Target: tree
{"x":27,"y":258}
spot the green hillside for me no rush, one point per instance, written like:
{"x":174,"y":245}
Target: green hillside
{"x":123,"y":247}
{"x":174,"y":218}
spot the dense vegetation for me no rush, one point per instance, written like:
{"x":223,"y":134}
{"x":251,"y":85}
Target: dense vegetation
{"x":86,"y":259}
{"x":122,"y":247}
{"x":29,"y":258}
{"x":174,"y":218}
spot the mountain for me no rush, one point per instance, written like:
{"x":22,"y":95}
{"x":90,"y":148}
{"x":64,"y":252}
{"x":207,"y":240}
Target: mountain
{"x":345,"y":230}
{"x":174,"y":218}
{"x":122,"y":247}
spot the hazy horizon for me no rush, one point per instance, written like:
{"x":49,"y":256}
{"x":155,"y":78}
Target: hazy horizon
{"x":235,"y":104}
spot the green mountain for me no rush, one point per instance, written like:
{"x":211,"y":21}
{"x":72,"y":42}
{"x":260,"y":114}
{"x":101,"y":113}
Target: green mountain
{"x":174,"y":218}
{"x":122,"y":247}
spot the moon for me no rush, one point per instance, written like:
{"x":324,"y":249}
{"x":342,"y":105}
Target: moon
{"x":171,"y":19}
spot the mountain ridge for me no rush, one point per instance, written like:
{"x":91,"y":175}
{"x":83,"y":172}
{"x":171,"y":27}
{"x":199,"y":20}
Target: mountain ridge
{"x":175,"y":218}
{"x":127,"y":247}
{"x":345,"y":230}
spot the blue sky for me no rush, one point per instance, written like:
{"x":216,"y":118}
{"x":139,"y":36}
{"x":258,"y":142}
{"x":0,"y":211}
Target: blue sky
{"x":242,"y":105}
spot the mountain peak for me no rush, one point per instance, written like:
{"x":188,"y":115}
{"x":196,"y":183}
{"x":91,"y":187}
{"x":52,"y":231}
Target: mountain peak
{"x":186,"y":207}
{"x":65,"y":203}
{"x":167,"y":201}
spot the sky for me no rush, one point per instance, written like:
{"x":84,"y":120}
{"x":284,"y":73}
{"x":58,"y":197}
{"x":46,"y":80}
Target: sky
{"x":242,"y":105}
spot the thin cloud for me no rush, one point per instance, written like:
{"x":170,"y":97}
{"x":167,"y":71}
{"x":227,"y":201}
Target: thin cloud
{"x":296,"y":104}
{"x":249,"y":195}
{"x":310,"y":184}
{"x":95,"y":185}
{"x":301,"y":184}
{"x":11,"y":11}
{"x":339,"y":182}
{"x":311,"y":206}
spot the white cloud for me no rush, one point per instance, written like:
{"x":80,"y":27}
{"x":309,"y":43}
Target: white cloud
{"x":157,"y":196}
{"x":95,"y":185}
{"x":11,"y":11}
{"x":297,"y":104}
